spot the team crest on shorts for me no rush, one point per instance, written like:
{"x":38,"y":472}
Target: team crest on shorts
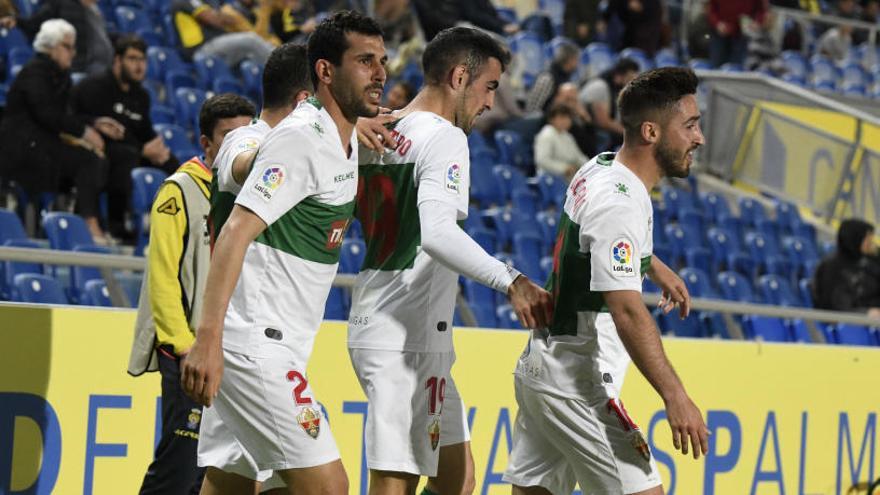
{"x":434,"y":433}
{"x":637,"y":439}
{"x":193,"y":419}
{"x":310,"y":420}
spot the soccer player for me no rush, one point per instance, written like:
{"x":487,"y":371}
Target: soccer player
{"x":400,"y":328}
{"x":571,"y":426}
{"x":276,"y":258}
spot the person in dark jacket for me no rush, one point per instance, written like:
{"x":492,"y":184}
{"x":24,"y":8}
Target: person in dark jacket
{"x":565,"y":62}
{"x":44,"y":146}
{"x":849,"y":279}
{"x":727,"y":42}
{"x":94,"y":51}
{"x":117,"y":95}
{"x":642,"y":23}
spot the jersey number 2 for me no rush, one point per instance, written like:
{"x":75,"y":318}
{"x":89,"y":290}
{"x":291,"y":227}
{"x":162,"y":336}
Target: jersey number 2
{"x":299,"y":388}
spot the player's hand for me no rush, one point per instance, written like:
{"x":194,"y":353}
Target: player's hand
{"x":373,"y":134}
{"x":674,"y":290}
{"x":687,"y":425}
{"x":202,"y":370}
{"x":532,"y":304}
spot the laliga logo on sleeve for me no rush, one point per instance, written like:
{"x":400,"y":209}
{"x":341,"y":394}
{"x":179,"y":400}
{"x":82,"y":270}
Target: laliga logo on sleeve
{"x":271,"y":180}
{"x":453,"y":178}
{"x":621,"y":258}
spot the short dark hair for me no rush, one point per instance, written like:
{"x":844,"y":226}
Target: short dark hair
{"x":223,"y":106}
{"x":124,"y":42}
{"x":625,"y":65}
{"x":652,"y":94}
{"x":329,"y":40}
{"x":559,"y":111}
{"x":286,"y":74}
{"x":460,"y":45}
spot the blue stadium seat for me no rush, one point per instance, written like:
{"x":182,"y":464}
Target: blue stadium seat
{"x":152,"y":37}
{"x":787,"y":216}
{"x":638,"y":56}
{"x":555,"y":9}
{"x":507,"y":317}
{"x":823,"y":71}
{"x":693,"y":223}
{"x":677,"y":199}
{"x":800,"y":252}
{"x":539,"y":24}
{"x":160,"y":114}
{"x":698,"y":282}
{"x":131,"y":285}
{"x":482,"y":301}
{"x":175,"y":79}
{"x":10,"y":226}
{"x":799,"y":331}
{"x":484,"y":188}
{"x":751,"y":211}
{"x":699,"y":64}
{"x":553,"y":46}
{"x":337,"y":305}
{"x":722,"y":244}
{"x":187,"y":103}
{"x":156,"y":90}
{"x":12,"y":38}
{"x":714,"y":325}
{"x":161,"y":60}
{"x":734,"y":286}
{"x":806,"y":292}
{"x":506,"y":223}
{"x":529,"y":245}
{"x":795,"y":79}
{"x":16,"y":59}
{"x":794,"y":63}
{"x":854,"y":90}
{"x":848,"y":334}
{"x":761,"y":246}
{"x":714,"y":205}
{"x":806,"y":231}
{"x":731,"y":67}
{"x":766,"y":328}
{"x":209,"y":68}
{"x":524,"y":201}
{"x":733,"y":225}
{"x":131,"y":20}
{"x":355,"y":231}
{"x":598,"y":57}
{"x":770,"y":230}
{"x":352,"y":256}
{"x":531,"y":267}
{"x":677,"y":243}
{"x":33,"y":288}
{"x":528,"y":48}
{"x":512,"y":150}
{"x":145,"y":182}
{"x":96,"y":294}
{"x":649,"y":287}
{"x":552,"y":190}
{"x":79,"y":275}
{"x":698,"y":257}
{"x":485,"y":238}
{"x":65,"y":231}
{"x":227,"y":85}
{"x":777,"y":291}
{"x":547,"y":226}
{"x":168,"y":28}
{"x":176,"y":140}
{"x":474,"y":220}
{"x":509,"y":179}
{"x":666,"y":58}
{"x":854,"y":75}
{"x":689,"y":327}
{"x":547,"y":267}
{"x":507,"y":14}
{"x":12,"y":268}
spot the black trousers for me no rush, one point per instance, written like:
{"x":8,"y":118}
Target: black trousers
{"x":174,"y":470}
{"x":80,"y":168}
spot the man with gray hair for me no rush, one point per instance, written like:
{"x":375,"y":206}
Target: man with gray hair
{"x":565,"y":62}
{"x":46,"y":148}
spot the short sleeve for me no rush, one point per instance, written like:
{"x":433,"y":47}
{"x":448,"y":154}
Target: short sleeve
{"x":615,"y":235}
{"x":595,"y":91}
{"x":282,"y":175}
{"x":234,"y":144}
{"x":443,"y":170}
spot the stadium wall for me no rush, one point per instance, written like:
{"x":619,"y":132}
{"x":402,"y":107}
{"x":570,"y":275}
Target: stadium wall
{"x":796,"y":419}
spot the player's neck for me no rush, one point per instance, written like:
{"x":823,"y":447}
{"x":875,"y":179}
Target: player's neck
{"x":273,"y":116}
{"x":434,"y":100}
{"x":640,"y":160}
{"x":343,"y":125}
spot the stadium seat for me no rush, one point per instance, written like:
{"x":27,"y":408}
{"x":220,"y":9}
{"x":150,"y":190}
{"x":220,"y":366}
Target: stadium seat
{"x":65,"y":231}
{"x":168,"y":27}
{"x":227,"y":85}
{"x":770,"y":229}
{"x":474,"y":220}
{"x":693,"y":223}
{"x":161,"y":60}
{"x":734,"y":286}
{"x":10,"y":226}
{"x":552,"y":190}
{"x":697,"y":282}
{"x":12,"y":268}
{"x":714,"y":325}
{"x":722,"y":244}
{"x":795,"y":79}
{"x":156,"y":90}
{"x":751,"y":211}
{"x":553,"y":46}
{"x":799,"y":331}
{"x":713,"y":205}
{"x":483,"y":187}
{"x":337,"y":305}
{"x":787,"y":216}
{"x":131,"y":20}
{"x":677,"y":199}
{"x":524,"y":201}
{"x":176,"y":140}
{"x":794,"y":63}
{"x":507,"y":14}
{"x":766,"y":328}
{"x":529,"y":245}
{"x":482,"y":301}
{"x":352,"y":256}
{"x":507,"y":317}
{"x":596,"y":58}
{"x":776,"y":290}
{"x":509,"y":178}
{"x":698,"y":257}
{"x":546,"y":267}
{"x":528,"y":48}
{"x":506,"y":223}
{"x":512,"y":150}
{"x":734,"y":226}
{"x":666,"y":58}
{"x":806,"y":292}
{"x":131,"y":285}
{"x":145,"y":183}
{"x":848,"y":334}
{"x":485,"y":238}
{"x":854,"y":75}
{"x":175,"y":79}
{"x":538,"y":23}
{"x":689,"y":327}
{"x":638,"y":56}
{"x":187,"y":103}
{"x":555,"y":9}
{"x":649,"y":287}
{"x":79,"y":275}
{"x":547,"y":226}
{"x":160,"y":114}
{"x":800,"y":252}
{"x":699,"y":64}
{"x":531,"y":267}
{"x":355,"y":231}
{"x":16,"y":59}
{"x":210,"y":68}
{"x":760,"y":246}
{"x":823,"y":71}
{"x":34,"y":288}
{"x":96,"y":294}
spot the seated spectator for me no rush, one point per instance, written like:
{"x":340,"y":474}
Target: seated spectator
{"x":203,"y":30}
{"x":581,"y":22}
{"x":599,"y":95}
{"x":292,"y":20}
{"x":117,"y":95}
{"x":94,"y":51}
{"x":849,"y":279}
{"x":437,"y":15}
{"x":765,"y":45}
{"x":565,"y":62}
{"x":398,"y":22}
{"x":727,"y":43}
{"x":836,"y":42}
{"x":556,"y":151}
{"x":642,"y":23}
{"x":399,"y":96}
{"x":870,"y":14}
{"x":581,"y":123}
{"x":45,"y":147}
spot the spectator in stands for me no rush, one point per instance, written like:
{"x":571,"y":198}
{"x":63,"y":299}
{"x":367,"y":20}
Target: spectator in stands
{"x":117,"y":95}
{"x":203,"y":30}
{"x":581,"y":123}
{"x":565,"y":63}
{"x":727,"y":43}
{"x":556,"y":151}
{"x":849,"y":279}
{"x":599,"y":95}
{"x":171,"y":296}
{"x":765,"y":45}
{"x":836,"y":42}
{"x":437,"y":15}
{"x":398,"y":22}
{"x":870,"y":14}
{"x":399,"y":96}
{"x":94,"y":51}
{"x":642,"y":23}
{"x":848,"y":9}
{"x":292,"y":20}
{"x":45,"y":147}
{"x":581,"y":21}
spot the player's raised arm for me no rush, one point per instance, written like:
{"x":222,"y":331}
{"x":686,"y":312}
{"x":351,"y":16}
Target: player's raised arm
{"x":202,"y":369}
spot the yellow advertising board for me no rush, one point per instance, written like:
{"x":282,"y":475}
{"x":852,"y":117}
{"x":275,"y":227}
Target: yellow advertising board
{"x":795,"y":419}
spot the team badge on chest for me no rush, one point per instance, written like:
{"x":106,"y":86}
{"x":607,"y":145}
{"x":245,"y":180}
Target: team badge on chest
{"x":434,"y":433}
{"x":310,"y":420}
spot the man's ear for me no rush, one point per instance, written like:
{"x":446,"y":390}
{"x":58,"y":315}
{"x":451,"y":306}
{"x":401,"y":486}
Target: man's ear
{"x":301,"y":95}
{"x":205,"y":143}
{"x":458,"y":77}
{"x":324,"y":69}
{"x":650,"y":132}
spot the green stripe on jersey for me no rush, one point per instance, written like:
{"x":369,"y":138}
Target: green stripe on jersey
{"x":387,"y":208}
{"x":311,"y":230}
{"x":221,"y":207}
{"x":569,"y":283}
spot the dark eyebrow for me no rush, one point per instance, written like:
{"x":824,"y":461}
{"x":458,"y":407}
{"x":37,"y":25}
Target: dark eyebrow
{"x":695,"y":118}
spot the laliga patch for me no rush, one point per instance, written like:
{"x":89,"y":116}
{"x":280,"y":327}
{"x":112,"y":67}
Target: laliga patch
{"x":248,"y":144}
{"x":453,"y":178}
{"x":622,"y":257}
{"x":270,"y":180}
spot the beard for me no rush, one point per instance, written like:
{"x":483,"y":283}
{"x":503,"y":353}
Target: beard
{"x":671,"y":162}
{"x":351,"y":101}
{"x":127,"y":77}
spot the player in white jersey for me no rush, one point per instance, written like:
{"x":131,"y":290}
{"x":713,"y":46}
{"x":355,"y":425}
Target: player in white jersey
{"x":400,"y":328}
{"x":571,"y":426}
{"x":272,"y":267}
